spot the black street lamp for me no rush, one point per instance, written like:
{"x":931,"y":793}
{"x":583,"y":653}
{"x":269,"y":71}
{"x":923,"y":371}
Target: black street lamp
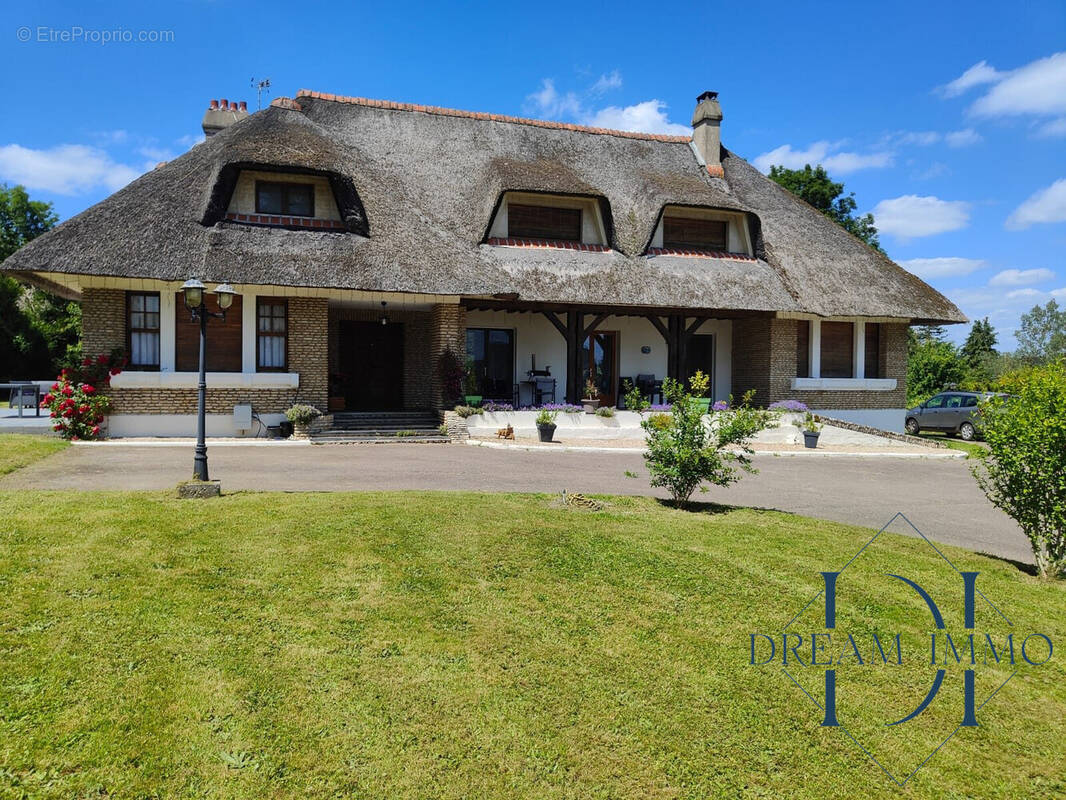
{"x":194,"y":301}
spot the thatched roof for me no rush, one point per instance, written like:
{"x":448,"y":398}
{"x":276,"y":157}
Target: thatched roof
{"x":417,"y":188}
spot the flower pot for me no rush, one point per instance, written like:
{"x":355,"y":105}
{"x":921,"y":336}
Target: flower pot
{"x":705,"y":404}
{"x":590,"y":404}
{"x":546,"y":432}
{"x":301,"y":430}
{"x":810,"y":439}
{"x":473,"y":400}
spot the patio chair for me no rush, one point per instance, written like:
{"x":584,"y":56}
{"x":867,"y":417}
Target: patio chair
{"x":650,"y":387}
{"x":544,"y":388}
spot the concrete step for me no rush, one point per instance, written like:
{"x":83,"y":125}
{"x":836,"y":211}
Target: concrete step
{"x":355,"y":438}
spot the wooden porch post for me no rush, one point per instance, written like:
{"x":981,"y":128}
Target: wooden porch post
{"x":575,"y":327}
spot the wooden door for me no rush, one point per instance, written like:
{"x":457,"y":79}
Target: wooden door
{"x":371,"y":362}
{"x":600,"y":363}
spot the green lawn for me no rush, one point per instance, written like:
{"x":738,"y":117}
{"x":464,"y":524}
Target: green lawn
{"x":443,"y":645}
{"x":16,"y":450}
{"x":972,"y":449}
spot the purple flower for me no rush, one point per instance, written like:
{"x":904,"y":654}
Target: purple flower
{"x":721,"y":405}
{"x":660,"y":407}
{"x":491,"y":406}
{"x":789,"y":405}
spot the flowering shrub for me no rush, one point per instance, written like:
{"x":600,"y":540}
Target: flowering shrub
{"x":77,"y":401}
{"x":789,"y":405}
{"x":558,"y":408}
{"x":492,"y":405}
{"x":721,"y":405}
{"x":468,"y":411}
{"x":660,"y":407}
{"x":301,"y":414}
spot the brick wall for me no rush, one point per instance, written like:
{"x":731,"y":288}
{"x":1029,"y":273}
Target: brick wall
{"x":104,"y":328}
{"x":448,"y":332}
{"x":751,"y":358}
{"x":103,"y":321}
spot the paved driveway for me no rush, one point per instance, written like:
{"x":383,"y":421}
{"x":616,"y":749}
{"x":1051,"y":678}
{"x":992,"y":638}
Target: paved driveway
{"x":939,"y":496}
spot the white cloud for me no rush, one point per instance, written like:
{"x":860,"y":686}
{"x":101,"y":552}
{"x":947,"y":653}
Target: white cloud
{"x":1047,"y":205}
{"x":921,"y":138}
{"x":929,"y":268}
{"x":607,"y":82}
{"x":189,"y":140}
{"x":819,"y":153}
{"x":1037,"y":88}
{"x":1057,"y":293}
{"x":963,"y":138}
{"x":977,"y":75}
{"x":911,"y":216}
{"x":1020,"y":277}
{"x":548,"y":102}
{"x":68,"y":169}
{"x":647,"y":117}
{"x":1054,"y":128}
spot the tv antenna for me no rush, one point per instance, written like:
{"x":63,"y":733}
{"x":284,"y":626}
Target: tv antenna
{"x":260,"y":87}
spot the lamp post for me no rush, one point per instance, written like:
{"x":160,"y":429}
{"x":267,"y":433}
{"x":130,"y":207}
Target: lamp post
{"x":193,"y":291}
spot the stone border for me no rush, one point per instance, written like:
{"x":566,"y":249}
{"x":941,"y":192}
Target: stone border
{"x":455,"y":425}
{"x":899,"y":437}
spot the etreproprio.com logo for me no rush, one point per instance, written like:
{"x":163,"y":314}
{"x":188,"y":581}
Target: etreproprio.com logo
{"x":800,"y":653}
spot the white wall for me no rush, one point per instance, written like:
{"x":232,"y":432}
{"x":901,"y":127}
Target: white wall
{"x":887,"y":419}
{"x":534,"y":334}
{"x":175,"y":425}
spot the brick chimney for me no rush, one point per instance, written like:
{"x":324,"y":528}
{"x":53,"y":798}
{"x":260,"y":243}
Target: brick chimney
{"x":221,"y":114}
{"x":706,"y":131}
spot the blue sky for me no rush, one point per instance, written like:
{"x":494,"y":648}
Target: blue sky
{"x":948,"y":121}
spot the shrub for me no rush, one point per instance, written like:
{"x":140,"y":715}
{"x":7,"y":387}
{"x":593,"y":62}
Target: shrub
{"x":635,"y":401}
{"x":604,"y":411}
{"x":494,"y":406}
{"x":699,"y":383}
{"x":683,"y":453}
{"x":546,"y":416}
{"x":451,"y":374}
{"x":468,"y":411}
{"x":794,"y":406}
{"x":809,"y":423}
{"x":1024,"y":470}
{"x":592,"y":391}
{"x":77,"y":401}
{"x":301,"y":414}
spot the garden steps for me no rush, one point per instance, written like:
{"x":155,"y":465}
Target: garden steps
{"x":380,"y":427}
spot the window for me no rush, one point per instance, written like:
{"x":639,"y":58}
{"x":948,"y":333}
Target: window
{"x":969,"y":402}
{"x":837,"y":349}
{"x":935,"y":402}
{"x":543,"y":222}
{"x":683,"y":233}
{"x":223,"y":339}
{"x":803,"y":348}
{"x":272,"y":329}
{"x":292,"y":199}
{"x":872,"y":357}
{"x":142,"y":329}
{"x":490,"y":353}
{"x":954,"y":401}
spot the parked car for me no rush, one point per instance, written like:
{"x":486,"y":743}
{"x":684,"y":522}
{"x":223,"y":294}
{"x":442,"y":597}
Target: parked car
{"x":950,"y":412}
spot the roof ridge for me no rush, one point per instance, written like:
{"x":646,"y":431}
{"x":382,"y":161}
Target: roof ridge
{"x":389,"y":105}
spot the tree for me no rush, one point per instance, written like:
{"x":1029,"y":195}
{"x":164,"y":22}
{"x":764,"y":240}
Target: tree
{"x":683,"y":452}
{"x":817,"y":188}
{"x":932,"y":365}
{"x":1042,"y":336}
{"x":36,"y":329}
{"x":1024,"y":471}
{"x":980,"y":342}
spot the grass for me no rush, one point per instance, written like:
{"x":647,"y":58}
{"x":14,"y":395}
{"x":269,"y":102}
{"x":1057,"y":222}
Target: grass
{"x":395,"y":645}
{"x":18,"y":450}
{"x":972,"y":449}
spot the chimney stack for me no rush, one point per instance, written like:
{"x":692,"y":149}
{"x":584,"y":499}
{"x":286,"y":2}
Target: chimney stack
{"x":221,"y":114}
{"x":706,"y":131}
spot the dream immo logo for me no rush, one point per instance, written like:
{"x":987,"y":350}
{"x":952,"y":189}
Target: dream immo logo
{"x":816,"y":660}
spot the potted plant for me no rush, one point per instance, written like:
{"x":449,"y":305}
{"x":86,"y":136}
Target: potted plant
{"x":300,"y":416}
{"x":546,"y":424}
{"x":591,"y":401}
{"x":472,"y":398}
{"x":699,"y":383}
{"x":811,"y":428}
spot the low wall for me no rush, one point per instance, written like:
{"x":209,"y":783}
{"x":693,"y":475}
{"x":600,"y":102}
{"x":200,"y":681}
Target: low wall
{"x":183,"y":425}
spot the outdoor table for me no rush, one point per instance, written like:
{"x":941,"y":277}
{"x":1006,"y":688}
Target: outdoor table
{"x":21,"y":388}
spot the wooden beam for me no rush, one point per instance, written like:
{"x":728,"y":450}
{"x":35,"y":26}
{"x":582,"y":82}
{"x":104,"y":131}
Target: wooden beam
{"x":595,"y":324}
{"x":554,"y":320}
{"x":692,"y":328}
{"x":574,"y":328}
{"x":658,"y":323}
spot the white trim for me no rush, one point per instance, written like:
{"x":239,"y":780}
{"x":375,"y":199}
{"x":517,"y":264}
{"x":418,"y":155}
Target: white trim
{"x":215,"y":380}
{"x":858,"y":354}
{"x":167,"y":315}
{"x":249,"y":327}
{"x":845,"y":384}
{"x":815,"y":346}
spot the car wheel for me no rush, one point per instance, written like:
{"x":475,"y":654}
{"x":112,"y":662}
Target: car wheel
{"x":912,"y":426}
{"x":967,"y":432}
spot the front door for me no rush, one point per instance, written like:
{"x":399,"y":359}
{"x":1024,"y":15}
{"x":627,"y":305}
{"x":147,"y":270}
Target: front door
{"x":700,"y":356}
{"x":371,"y":363}
{"x":599,"y":359}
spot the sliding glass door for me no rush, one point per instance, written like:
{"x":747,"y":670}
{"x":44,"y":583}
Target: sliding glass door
{"x":490,"y":356}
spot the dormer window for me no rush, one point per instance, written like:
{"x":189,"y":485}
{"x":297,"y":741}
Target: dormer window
{"x":291,"y":199}
{"x":533,"y":219}
{"x":696,"y":231}
{"x":543,"y":222}
{"x":680,"y":233}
